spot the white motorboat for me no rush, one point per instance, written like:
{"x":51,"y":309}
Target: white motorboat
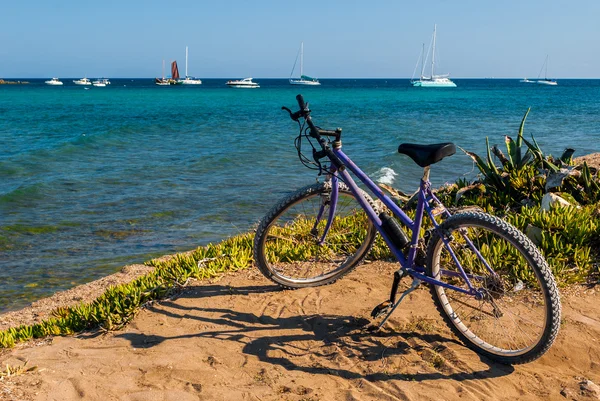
{"x":54,"y":81}
{"x":101,"y":82}
{"x":528,"y":81}
{"x":304,"y":79}
{"x":82,"y":81}
{"x":189,"y":80}
{"x":243,"y":83}
{"x":432,"y":81}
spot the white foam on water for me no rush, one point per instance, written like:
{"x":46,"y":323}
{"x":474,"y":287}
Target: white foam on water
{"x":385,"y":175}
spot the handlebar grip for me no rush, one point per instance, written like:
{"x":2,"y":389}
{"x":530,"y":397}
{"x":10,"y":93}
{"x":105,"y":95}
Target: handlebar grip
{"x":329,"y":132}
{"x":301,"y":103}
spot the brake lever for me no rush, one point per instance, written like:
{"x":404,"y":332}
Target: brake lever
{"x":294,"y":116}
{"x":289,"y":111}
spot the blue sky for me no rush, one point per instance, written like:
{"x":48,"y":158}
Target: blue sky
{"x":342,"y":39}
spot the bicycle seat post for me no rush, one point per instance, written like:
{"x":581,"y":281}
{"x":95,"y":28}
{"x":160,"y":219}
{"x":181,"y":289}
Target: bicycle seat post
{"x":426,"y":173}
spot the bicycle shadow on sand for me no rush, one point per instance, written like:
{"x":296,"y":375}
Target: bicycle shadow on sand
{"x":326,"y":344}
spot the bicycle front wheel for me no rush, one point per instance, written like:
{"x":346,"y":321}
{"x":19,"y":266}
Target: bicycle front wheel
{"x":290,"y":247}
{"x":515,"y":316}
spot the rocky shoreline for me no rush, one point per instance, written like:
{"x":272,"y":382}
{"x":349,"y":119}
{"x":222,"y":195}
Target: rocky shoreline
{"x":3,"y":82}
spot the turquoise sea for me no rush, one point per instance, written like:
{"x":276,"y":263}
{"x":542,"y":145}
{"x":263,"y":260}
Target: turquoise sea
{"x":92,"y":180}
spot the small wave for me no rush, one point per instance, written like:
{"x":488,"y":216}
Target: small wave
{"x":385,"y":175}
{"x":8,"y":169}
{"x":23,"y":195}
{"x":91,"y":142}
{"x":84,"y":143}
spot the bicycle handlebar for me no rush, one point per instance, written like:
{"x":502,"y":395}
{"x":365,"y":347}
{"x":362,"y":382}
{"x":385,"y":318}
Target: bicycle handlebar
{"x":315,"y":132}
{"x":301,"y":104}
{"x":303,"y":112}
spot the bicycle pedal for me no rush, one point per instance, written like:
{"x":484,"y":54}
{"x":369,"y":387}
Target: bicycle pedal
{"x":381,"y":309}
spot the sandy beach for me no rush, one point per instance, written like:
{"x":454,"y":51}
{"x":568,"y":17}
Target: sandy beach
{"x":240,"y":338}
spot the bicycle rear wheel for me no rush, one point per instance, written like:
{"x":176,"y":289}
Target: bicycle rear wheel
{"x":515,"y":318}
{"x":288,"y":248}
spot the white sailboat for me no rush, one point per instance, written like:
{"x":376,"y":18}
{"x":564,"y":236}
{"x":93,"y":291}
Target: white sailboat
{"x":189,"y":80}
{"x":546,"y":80}
{"x":304,"y":79}
{"x":432,"y":81}
{"x":162,"y":81}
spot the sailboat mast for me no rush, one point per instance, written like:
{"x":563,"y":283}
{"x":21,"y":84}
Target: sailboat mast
{"x":433,"y":51}
{"x":301,"y":59}
{"x":544,"y":68}
{"x":186,"y":55}
{"x":423,"y":61}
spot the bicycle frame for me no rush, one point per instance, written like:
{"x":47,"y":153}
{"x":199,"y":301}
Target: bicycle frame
{"x":425,"y":196}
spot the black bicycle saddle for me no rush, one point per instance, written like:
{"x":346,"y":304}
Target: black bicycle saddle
{"x":426,"y":155}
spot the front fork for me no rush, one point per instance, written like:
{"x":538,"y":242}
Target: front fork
{"x":327,"y":200}
{"x":333,"y":199}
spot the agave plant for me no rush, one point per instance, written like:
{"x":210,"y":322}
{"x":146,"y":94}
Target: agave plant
{"x":526,"y":173}
{"x":516,"y":159}
{"x":488,"y":168}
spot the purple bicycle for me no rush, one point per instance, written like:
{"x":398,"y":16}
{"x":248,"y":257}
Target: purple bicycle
{"x":488,"y":280}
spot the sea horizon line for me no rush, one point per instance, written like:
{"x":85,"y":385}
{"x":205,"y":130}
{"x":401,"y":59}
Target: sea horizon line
{"x":285,"y":78}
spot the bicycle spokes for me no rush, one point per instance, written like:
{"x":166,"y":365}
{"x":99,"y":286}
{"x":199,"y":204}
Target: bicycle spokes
{"x":506,"y":312}
{"x":303,"y":243}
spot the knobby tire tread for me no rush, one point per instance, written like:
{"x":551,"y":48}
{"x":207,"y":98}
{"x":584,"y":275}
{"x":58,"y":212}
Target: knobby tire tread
{"x":546,"y":277}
